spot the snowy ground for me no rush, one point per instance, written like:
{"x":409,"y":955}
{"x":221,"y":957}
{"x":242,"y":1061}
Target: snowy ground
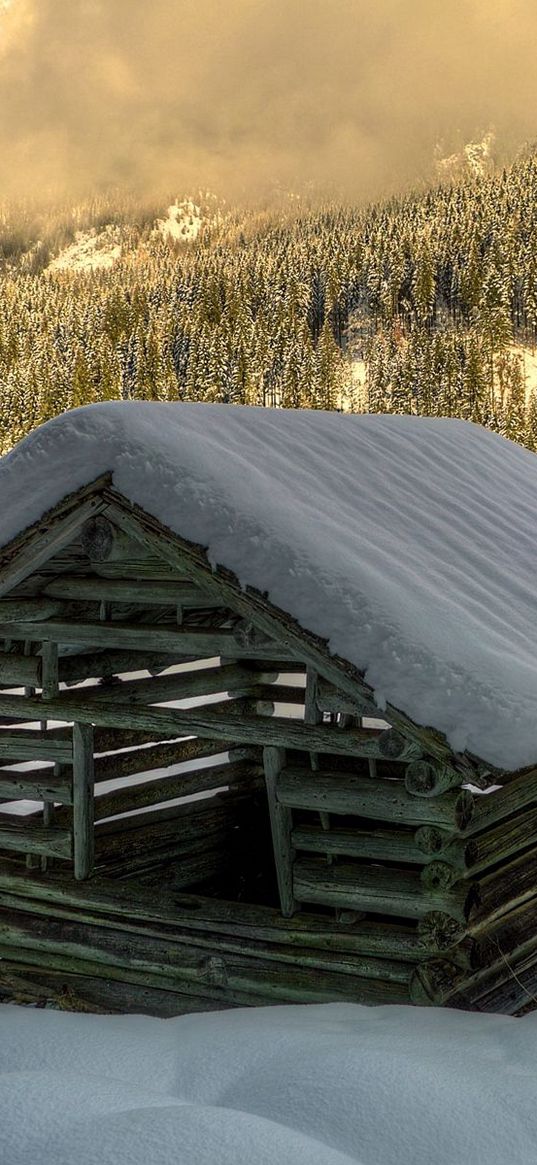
{"x":91,"y":251}
{"x":183,"y":221}
{"x":319,"y":1085}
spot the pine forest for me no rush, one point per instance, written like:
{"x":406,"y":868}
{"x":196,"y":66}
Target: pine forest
{"x":424,"y":304}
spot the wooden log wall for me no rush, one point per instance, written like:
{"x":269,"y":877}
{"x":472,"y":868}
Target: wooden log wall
{"x":395,"y":882}
{"x":107,"y":613}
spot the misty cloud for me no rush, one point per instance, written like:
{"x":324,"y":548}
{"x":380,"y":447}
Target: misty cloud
{"x":239,"y":95}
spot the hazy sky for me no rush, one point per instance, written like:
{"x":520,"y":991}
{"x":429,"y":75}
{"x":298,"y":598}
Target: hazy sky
{"x":243,"y":93}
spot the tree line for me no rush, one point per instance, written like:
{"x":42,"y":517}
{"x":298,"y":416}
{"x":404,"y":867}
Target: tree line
{"x":426,"y":295}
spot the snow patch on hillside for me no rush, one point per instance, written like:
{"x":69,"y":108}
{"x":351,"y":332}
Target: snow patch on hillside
{"x":91,"y":251}
{"x":183,"y":221}
{"x":476,"y":159}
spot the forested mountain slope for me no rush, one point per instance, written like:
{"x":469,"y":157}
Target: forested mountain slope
{"x":433,"y":295}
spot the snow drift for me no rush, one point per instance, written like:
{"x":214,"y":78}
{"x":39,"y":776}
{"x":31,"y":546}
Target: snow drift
{"x":409,"y":543}
{"x":337,"y":1084}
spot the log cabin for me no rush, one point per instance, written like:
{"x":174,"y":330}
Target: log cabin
{"x":267,"y":682}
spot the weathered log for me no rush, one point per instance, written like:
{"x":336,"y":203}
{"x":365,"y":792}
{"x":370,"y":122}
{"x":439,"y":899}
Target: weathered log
{"x":269,"y":690}
{"x":205,"y":681}
{"x":168,"y":638}
{"x":508,"y":986}
{"x":494,"y":807}
{"x":392,"y":745}
{"x":512,"y":836}
{"x":49,"y":670}
{"x":281,"y":824}
{"x":145,"y":760}
{"x":379,"y":890}
{"x":259,"y":730}
{"x":154,"y":792}
{"x":514,"y":932}
{"x":50,"y":842}
{"x":101,"y":541}
{"x":440,"y":843}
{"x":440,"y":932}
{"x":20,"y":670}
{"x":48,"y":537}
{"x":13,"y":610}
{"x":439,"y":876}
{"x":337,"y":792}
{"x":329,"y":699}
{"x":36,"y":785}
{"x":425,"y":779}
{"x":121,"y":906}
{"x":376,"y":844}
{"x":105,"y":664}
{"x":174,"y":938}
{"x":433,"y":982}
{"x":83,"y":802}
{"x":194,"y":869}
{"x":30,"y":744}
{"x":75,"y":992}
{"x":159,"y":593}
{"x":39,"y":940}
{"x":504,"y":889}
{"x":192,"y":808}
{"x":195,"y":861}
{"x":157,"y":756}
{"x":430,"y":839}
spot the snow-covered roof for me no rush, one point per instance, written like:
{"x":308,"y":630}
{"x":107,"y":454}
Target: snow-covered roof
{"x":409,"y":543}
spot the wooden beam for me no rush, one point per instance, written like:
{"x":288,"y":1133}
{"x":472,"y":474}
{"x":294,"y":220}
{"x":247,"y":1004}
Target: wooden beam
{"x":50,"y":680}
{"x":123,"y":906}
{"x":188,"y":685}
{"x":157,"y":756}
{"x":104,"y":664}
{"x":238,"y":978}
{"x":426,"y":779}
{"x":35,"y":785}
{"x":433,"y":982}
{"x":186,"y":784}
{"x":33,"y":610}
{"x":102,"y":541}
{"x":37,"y":839}
{"x":439,"y":931}
{"x":491,"y":808}
{"x":381,"y":800}
{"x":83,"y":810}
{"x":143,"y":593}
{"x":20,"y":670}
{"x":281,"y":825}
{"x":30,"y":744}
{"x":375,"y":844}
{"x":381,"y":891}
{"x":48,"y":537}
{"x":171,"y":639}
{"x":258,"y":730}
{"x":329,"y":699}
{"x":511,"y":837}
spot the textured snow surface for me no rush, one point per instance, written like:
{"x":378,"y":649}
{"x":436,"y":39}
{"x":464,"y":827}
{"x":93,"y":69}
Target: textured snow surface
{"x":89,"y":252}
{"x":409,"y":543}
{"x":319,"y":1085}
